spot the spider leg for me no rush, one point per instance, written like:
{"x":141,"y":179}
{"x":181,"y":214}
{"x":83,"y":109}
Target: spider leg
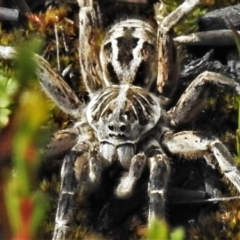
{"x":61,"y":143}
{"x":159,"y":174}
{"x":89,"y":37}
{"x":65,"y":203}
{"x":159,"y":167}
{"x":190,"y":102}
{"x":57,"y":89}
{"x":53,"y":84}
{"x":167,"y":55}
{"x":193,"y":144}
{"x":127,"y":183}
{"x":81,"y":172}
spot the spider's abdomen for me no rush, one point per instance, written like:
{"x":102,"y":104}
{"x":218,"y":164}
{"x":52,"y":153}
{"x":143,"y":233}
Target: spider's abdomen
{"x":128,"y":54}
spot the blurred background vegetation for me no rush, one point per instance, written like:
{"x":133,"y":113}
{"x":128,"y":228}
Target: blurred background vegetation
{"x":24,"y":113}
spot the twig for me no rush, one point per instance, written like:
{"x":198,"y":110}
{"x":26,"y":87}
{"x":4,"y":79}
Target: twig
{"x":57,"y":46}
{"x":217,"y":199}
{"x":209,"y":38}
{"x":8,"y":14}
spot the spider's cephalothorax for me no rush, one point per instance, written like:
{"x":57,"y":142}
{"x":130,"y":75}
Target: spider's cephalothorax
{"x":125,"y":120}
{"x":121,"y":116}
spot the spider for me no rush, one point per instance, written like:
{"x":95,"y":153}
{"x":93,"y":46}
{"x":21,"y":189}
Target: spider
{"x":130,"y":79}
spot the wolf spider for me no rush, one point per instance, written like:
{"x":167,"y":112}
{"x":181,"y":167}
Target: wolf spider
{"x":130,"y":80}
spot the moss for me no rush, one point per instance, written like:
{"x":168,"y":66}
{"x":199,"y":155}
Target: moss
{"x":222,"y":225}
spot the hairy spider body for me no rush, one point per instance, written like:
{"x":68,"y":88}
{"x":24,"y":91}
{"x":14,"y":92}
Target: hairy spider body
{"x":128,"y":54}
{"x":121,"y":116}
{"x":127,"y":120}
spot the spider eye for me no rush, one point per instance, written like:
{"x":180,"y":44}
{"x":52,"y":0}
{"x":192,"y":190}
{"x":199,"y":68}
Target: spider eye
{"x":110,"y":127}
{"x":122,"y":128}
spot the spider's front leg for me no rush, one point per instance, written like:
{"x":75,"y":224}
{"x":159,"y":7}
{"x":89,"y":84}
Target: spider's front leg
{"x":127,"y":183}
{"x":81,"y":171}
{"x":194,"y":144}
{"x":159,"y":174}
{"x":159,"y":167}
{"x":168,"y":66}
